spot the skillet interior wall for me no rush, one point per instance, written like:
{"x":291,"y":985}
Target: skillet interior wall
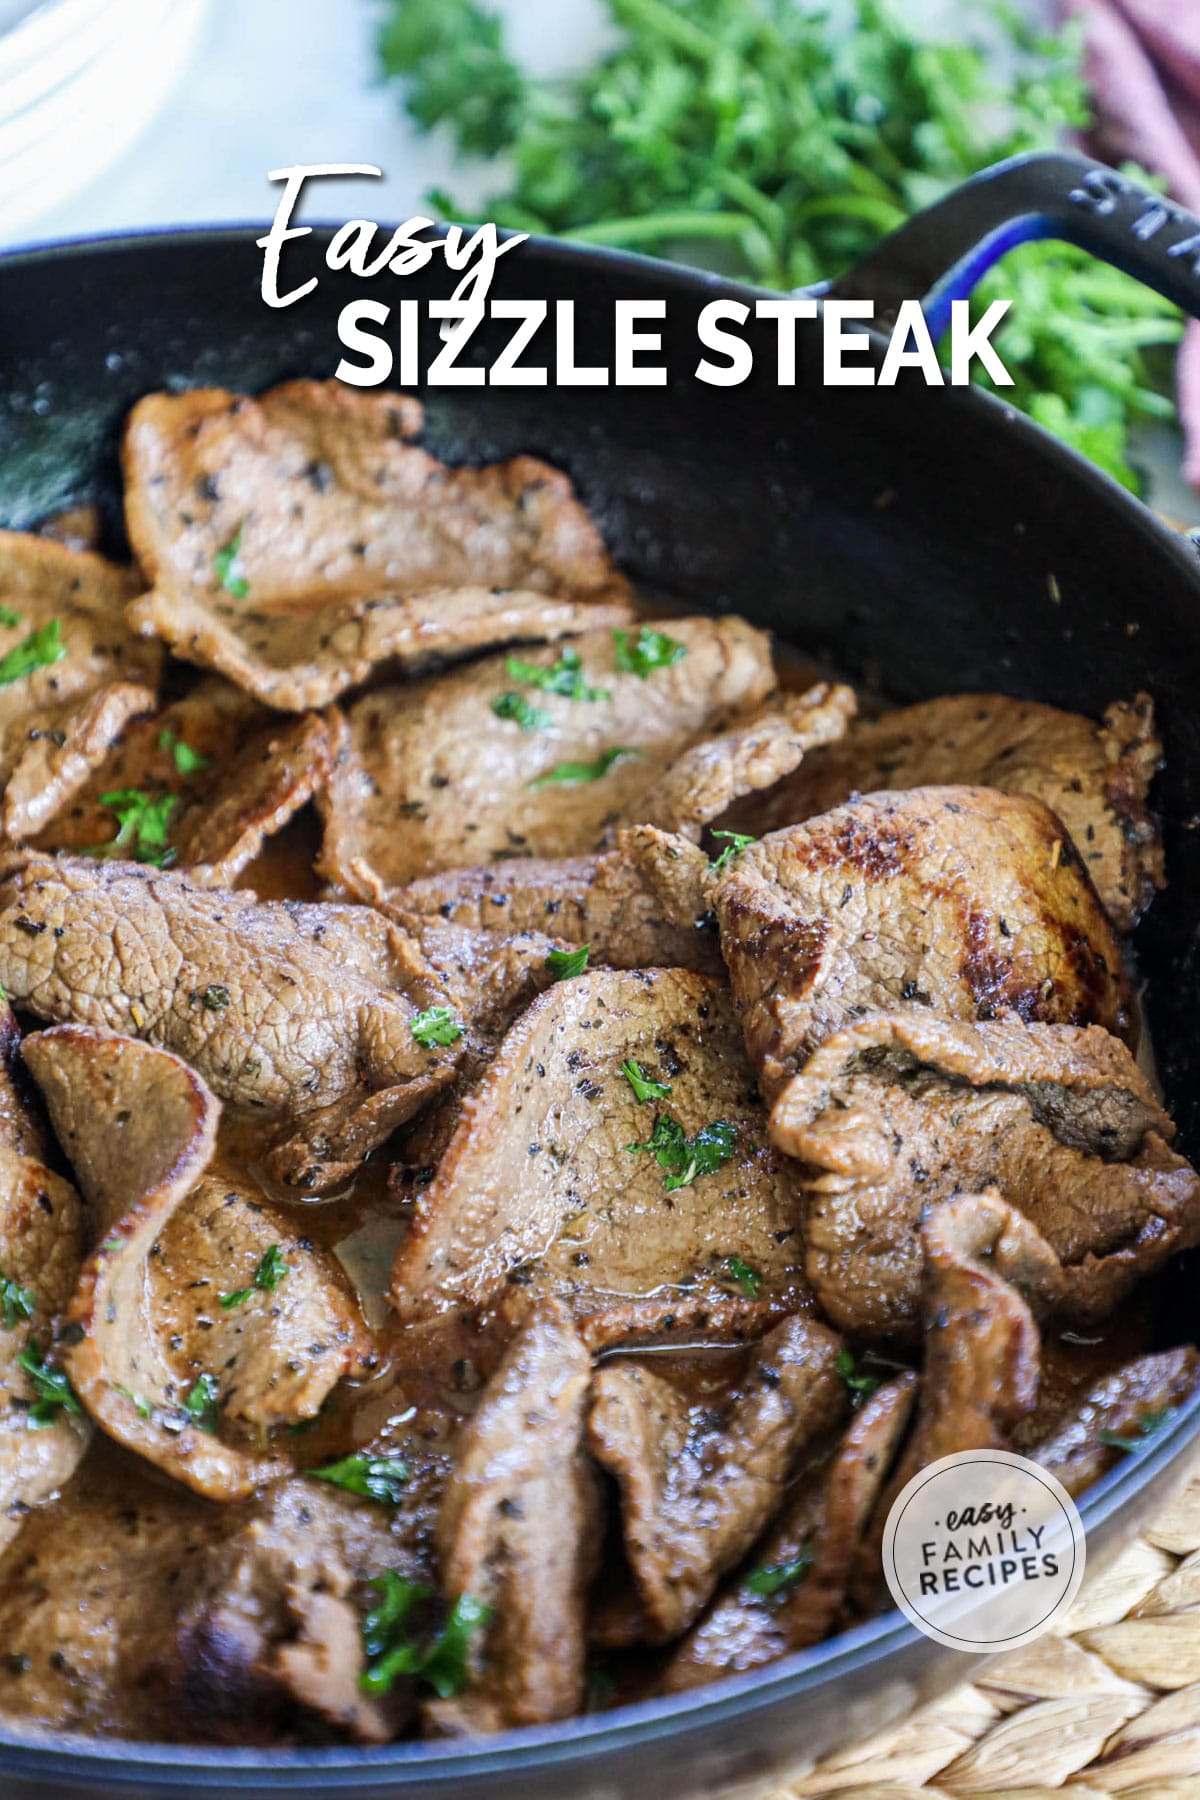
{"x":923,"y":540}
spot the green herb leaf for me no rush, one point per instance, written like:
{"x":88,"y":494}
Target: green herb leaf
{"x":564,"y":677}
{"x":860,"y":1386}
{"x":227,"y":567}
{"x":643,"y":1088}
{"x":1136,"y":1440}
{"x":142,"y":821}
{"x":522,"y":711}
{"x":51,"y":1383}
{"x":140,"y":1406}
{"x":187,"y":761}
{"x":685,"y":1159}
{"x":650,"y":651}
{"x":779,"y":1578}
{"x":39,"y":650}
{"x":748,"y":1279}
{"x":266,"y":1278}
{"x":444,"y":1662}
{"x":572,"y":774}
{"x":565,"y":965}
{"x":16,"y":1302}
{"x":9,"y":618}
{"x":436,"y":1025}
{"x":214,"y":998}
{"x":378,"y":1478}
{"x":200,"y":1403}
{"x":738,"y":841}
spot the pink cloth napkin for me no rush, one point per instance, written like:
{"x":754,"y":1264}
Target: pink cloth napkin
{"x":1143,"y":64}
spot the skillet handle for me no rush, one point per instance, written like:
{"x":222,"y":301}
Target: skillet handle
{"x":938,"y":255}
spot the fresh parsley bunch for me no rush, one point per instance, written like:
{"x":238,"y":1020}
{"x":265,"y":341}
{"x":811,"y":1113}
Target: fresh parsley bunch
{"x":779,"y":142}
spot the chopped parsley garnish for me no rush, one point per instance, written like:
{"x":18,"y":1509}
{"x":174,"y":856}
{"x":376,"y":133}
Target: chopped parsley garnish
{"x":572,"y":774}
{"x":142,"y":821}
{"x":266,"y":1278}
{"x":443,"y":1662}
{"x":227,"y":567}
{"x":214,"y":998}
{"x":643,"y":1088}
{"x":436,"y":1025}
{"x":51,"y":1384}
{"x":738,"y":841}
{"x":684,"y":1159}
{"x":748,"y":1279}
{"x":860,"y":1386}
{"x":200,"y":1403}
{"x":140,"y":1406}
{"x":650,"y":650}
{"x":565,"y":965}
{"x":187,"y":761}
{"x":8,"y":617}
{"x":779,"y":1578}
{"x":564,"y":677}
{"x":378,"y":1478}
{"x":521,"y":711}
{"x":16,"y":1302}
{"x":1134,"y":1441}
{"x":37,"y":651}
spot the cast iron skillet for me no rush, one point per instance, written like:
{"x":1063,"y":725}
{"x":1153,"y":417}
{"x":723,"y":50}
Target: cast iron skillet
{"x":923,"y":540}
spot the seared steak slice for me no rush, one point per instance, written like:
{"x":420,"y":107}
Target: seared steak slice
{"x":956,"y":901}
{"x":697,"y":1489}
{"x":203,"y":1322}
{"x":518,"y":1531}
{"x":87,"y":678}
{"x":705,"y":781}
{"x":429,"y":777}
{"x":1095,"y":778}
{"x":302,"y":1013}
{"x":792,"y":1590}
{"x":1116,"y":1415}
{"x":543,"y":1190}
{"x":643,"y":904}
{"x":901,"y":1111}
{"x":296,"y":541}
{"x":237,"y":773}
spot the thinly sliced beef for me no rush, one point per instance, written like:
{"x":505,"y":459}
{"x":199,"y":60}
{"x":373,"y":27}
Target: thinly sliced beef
{"x":705,"y":781}
{"x":1116,"y":1415}
{"x":956,"y":901}
{"x":1095,"y":778}
{"x":245,"y":772}
{"x":697,"y":1488}
{"x":59,"y":716}
{"x":542,"y":1193}
{"x":642,"y":905}
{"x":792,"y":1591}
{"x":43,"y":1235}
{"x":519,"y":1532}
{"x":902,"y":1111}
{"x":429,"y":777}
{"x":297,"y":541}
{"x":179,"y":1347}
{"x":302,"y":1013}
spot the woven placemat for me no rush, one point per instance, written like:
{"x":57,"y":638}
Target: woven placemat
{"x":1109,"y":1706}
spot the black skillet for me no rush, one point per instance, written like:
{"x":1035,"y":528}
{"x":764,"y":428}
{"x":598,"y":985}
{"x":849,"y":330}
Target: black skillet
{"x":923,"y":540}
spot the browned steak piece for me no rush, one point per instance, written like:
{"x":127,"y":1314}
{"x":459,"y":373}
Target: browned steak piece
{"x":956,"y":901}
{"x":1115,"y":1417}
{"x":901,"y":1111}
{"x":204,"y":1323}
{"x":792,"y":1590}
{"x":73,"y":674}
{"x":1095,"y":778}
{"x":519,"y":1533}
{"x":302,"y":1013}
{"x":644,"y":904}
{"x":705,"y":781}
{"x":428,"y":777}
{"x":543,"y":1190}
{"x":235,"y":772}
{"x":697,"y":1488}
{"x":296,"y":541}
